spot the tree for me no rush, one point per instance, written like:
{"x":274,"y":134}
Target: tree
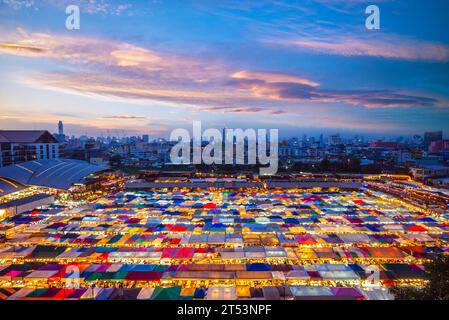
{"x":354,"y":164}
{"x":325,"y":164}
{"x":437,"y":273}
{"x":115,"y":161}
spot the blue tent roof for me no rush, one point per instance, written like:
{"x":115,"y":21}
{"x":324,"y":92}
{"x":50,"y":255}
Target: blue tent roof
{"x":200,"y":293}
{"x":258,"y":267}
{"x":292,"y":221}
{"x":372,"y":228}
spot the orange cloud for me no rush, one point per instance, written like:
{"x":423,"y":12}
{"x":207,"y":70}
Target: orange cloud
{"x":120,"y":70}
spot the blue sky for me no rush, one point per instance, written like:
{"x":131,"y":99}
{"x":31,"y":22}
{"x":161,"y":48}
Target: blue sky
{"x":300,"y":66}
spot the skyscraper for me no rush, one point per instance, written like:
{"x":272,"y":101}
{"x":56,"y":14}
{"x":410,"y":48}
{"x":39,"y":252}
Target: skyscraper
{"x":60,"y":128}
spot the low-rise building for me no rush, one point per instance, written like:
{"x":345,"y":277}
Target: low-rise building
{"x":25,"y":204}
{"x":442,"y":182}
{"x":17,"y":146}
{"x":431,"y":171}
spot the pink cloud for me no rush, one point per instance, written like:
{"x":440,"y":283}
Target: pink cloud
{"x":119,"y":70}
{"x":390,"y":47}
{"x":273,"y":77}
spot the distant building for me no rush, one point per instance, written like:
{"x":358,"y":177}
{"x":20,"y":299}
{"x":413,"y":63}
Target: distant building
{"x":442,"y":182}
{"x":383,"y":144}
{"x":60,"y":128}
{"x":429,"y":137}
{"x":438,"y":146}
{"x":425,"y":172}
{"x":98,"y":161}
{"x":146,"y":138}
{"x":334,"y":140}
{"x":403,"y":156}
{"x":60,"y":136}
{"x":289,"y":151}
{"x":17,"y":146}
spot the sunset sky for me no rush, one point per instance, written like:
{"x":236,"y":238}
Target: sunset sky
{"x":300,"y":66}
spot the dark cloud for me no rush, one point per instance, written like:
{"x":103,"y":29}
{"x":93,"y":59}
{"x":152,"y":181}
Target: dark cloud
{"x":304,"y":92}
{"x":124,"y":117}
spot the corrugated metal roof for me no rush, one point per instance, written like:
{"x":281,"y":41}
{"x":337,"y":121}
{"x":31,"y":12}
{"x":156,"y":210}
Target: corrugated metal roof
{"x":7,"y":186}
{"x":57,"y":174}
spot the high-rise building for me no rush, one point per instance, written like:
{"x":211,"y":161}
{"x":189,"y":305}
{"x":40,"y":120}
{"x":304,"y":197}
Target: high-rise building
{"x":60,"y":136}
{"x":429,"y":137}
{"x":18,"y":146}
{"x":321,"y":141}
{"x":334,"y":140}
{"x":146,"y":138}
{"x":60,"y":128}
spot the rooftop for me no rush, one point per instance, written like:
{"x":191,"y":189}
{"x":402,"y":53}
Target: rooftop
{"x":57,"y":174}
{"x":433,"y":167}
{"x":18,"y":202}
{"x":8,"y":186}
{"x":26,"y":136}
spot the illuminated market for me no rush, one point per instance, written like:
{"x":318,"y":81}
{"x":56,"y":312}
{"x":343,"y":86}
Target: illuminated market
{"x":222,"y":238}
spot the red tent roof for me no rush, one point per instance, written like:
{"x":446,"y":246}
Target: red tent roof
{"x":416,"y":228}
{"x":210,"y":205}
{"x":178,"y":228}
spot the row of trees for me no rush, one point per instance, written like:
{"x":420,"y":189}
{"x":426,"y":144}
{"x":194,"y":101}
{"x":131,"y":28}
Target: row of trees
{"x":437,"y":272}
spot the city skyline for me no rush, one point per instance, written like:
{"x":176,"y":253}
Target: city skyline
{"x":122,"y":134}
{"x":147,"y":67}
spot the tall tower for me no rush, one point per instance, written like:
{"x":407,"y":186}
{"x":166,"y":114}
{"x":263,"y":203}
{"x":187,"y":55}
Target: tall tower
{"x":60,"y":128}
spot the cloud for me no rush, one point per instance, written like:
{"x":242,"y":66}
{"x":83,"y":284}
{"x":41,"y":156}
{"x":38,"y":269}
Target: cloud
{"x":19,"y":4}
{"x":380,"y":99}
{"x":389,"y":47}
{"x":124,"y":118}
{"x":243,"y":110}
{"x":21,"y":49}
{"x":334,"y":27}
{"x":273,"y":77}
{"x":86,"y":6}
{"x":301,"y":92}
{"x":119,"y":70}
